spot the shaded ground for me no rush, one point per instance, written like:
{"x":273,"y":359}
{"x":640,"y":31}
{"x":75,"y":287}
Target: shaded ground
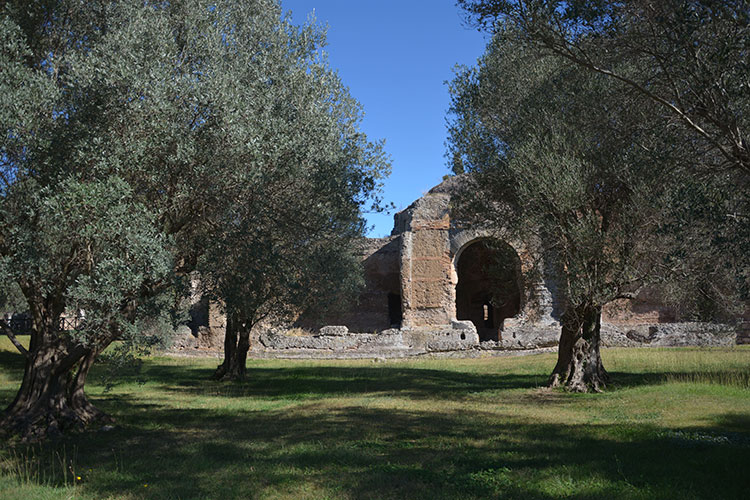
{"x":676,"y":424}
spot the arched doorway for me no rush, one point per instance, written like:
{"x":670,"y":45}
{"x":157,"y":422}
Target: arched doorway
{"x":489,"y":286}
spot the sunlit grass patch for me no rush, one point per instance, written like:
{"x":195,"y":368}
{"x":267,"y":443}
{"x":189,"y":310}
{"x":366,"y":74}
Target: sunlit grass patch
{"x":427,"y":428}
{"x":736,"y":377}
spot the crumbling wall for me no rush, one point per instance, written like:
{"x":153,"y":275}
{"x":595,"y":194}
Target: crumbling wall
{"x":426,"y":266}
{"x":646,"y":308}
{"x":338,"y":342}
{"x":431,"y":245}
{"x":373,"y":309}
{"x":408,"y":304}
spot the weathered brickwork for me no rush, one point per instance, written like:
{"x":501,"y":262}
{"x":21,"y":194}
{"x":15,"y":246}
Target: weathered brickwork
{"x":427,"y":290}
{"x":433,"y":249}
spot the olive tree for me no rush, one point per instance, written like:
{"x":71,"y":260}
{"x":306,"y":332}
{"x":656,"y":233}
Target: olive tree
{"x":271,"y":266}
{"x":687,"y":58}
{"x":557,"y":160}
{"x":287,"y":243}
{"x":672,"y":88}
{"x":686,"y":62}
{"x":170,"y":115}
{"x":80,"y":246}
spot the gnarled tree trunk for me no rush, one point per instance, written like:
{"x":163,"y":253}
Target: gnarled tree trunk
{"x":51,"y":400}
{"x":236,"y":346}
{"x":579,"y":364}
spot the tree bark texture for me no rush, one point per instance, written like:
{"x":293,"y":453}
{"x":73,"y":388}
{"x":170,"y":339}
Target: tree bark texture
{"x":236,"y":346}
{"x":51,"y":400}
{"x":579,"y":364}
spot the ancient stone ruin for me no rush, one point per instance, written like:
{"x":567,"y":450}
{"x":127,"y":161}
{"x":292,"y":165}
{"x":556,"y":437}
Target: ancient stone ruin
{"x":428,"y":289}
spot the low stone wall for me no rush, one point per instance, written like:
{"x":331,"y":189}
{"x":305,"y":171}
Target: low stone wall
{"x":337,"y":340}
{"x":459,"y":337}
{"x":522,"y":337}
{"x":526,"y":336}
{"x":669,"y":335}
{"x":278,"y":340}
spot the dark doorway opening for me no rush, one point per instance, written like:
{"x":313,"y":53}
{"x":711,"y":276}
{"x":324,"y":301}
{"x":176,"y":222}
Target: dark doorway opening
{"x":489,"y":286}
{"x":395,"y":315}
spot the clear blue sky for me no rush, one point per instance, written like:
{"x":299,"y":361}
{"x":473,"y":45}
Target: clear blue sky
{"x":395,"y":57}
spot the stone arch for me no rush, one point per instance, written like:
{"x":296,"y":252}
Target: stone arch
{"x":461,"y":239}
{"x":488,"y":283}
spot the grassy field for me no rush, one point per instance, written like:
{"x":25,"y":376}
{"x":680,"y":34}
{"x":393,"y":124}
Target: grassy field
{"x":674,"y":424}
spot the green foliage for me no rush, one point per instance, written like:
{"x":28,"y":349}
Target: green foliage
{"x":12,"y":299}
{"x":235,"y":114}
{"x":285,"y":240}
{"x":90,"y":243}
{"x":138,"y":136}
{"x":711,"y":272}
{"x":683,"y":64}
{"x":559,"y":160}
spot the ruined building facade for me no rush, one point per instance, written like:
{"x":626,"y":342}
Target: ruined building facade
{"x":428,"y":288}
{"x":432,"y":271}
{"x":431,"y":274}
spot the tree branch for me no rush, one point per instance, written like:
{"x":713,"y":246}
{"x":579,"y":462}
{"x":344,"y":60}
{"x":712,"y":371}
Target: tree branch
{"x":9,"y":332}
{"x":563,"y":49}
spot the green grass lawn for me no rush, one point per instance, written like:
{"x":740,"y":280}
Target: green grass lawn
{"x":674,"y":424}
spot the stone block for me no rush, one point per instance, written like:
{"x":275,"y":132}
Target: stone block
{"x":427,"y":317}
{"x":428,"y":294}
{"x":429,"y":243}
{"x":431,"y":268}
{"x":529,"y":337}
{"x":460,"y":324}
{"x":451,"y":339}
{"x":334,"y":331}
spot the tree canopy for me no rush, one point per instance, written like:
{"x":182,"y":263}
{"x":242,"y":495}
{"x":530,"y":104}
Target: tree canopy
{"x":137,"y":137}
{"x":688,"y":57}
{"x":565,"y":143}
{"x":687,"y":61}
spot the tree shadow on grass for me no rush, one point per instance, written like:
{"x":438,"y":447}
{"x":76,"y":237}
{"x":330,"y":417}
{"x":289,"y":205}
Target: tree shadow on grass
{"x":11,"y":361}
{"x":365,"y":452}
{"x":329,"y":381}
{"x":730,"y":377}
{"x":296,"y":380}
{"x":315,"y":382}
{"x":339,"y":449}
